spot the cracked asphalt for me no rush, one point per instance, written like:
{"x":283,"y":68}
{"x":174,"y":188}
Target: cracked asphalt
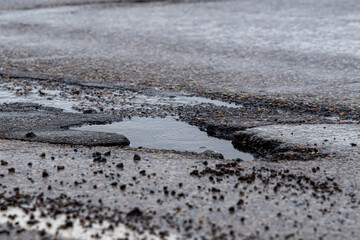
{"x":280,"y":79}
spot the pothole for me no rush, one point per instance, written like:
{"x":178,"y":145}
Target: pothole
{"x":168,"y":133}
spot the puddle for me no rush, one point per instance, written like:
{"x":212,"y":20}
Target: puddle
{"x":48,"y":100}
{"x":168,"y":133}
{"x":77,"y":231}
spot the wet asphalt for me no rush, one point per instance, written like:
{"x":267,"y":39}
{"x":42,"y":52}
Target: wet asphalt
{"x":291,"y":68}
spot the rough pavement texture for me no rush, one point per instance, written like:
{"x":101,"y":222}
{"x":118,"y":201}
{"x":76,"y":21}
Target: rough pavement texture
{"x":291,"y":68}
{"x":234,"y":47}
{"x":32,"y":122}
{"x":184,"y":195}
{"x":337,"y":140}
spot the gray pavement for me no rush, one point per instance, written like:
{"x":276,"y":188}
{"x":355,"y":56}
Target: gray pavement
{"x":286,"y":77}
{"x":306,"y":50}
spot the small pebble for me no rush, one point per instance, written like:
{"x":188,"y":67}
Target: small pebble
{"x":137,"y":157}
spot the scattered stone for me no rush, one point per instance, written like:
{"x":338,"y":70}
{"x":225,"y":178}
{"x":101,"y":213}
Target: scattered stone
{"x":59,"y":168}
{"x":194,"y":173}
{"x":136,"y":212}
{"x":240,"y":202}
{"x":32,"y":222}
{"x":100,"y":160}
{"x":137,"y":157}
{"x":45,"y":174}
{"x":231,"y":210}
{"x":120,"y":165}
{"x":4,"y":163}
{"x":68,"y":224}
{"x":96,"y":154}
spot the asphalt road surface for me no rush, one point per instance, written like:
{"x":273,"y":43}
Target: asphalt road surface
{"x":280,"y":79}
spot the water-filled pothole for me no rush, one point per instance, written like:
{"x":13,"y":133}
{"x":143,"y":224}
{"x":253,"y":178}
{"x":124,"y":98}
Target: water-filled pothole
{"x":168,"y":133}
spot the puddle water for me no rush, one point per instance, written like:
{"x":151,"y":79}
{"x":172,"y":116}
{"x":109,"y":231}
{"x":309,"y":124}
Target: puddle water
{"x":34,"y":97}
{"x":168,"y":133}
{"x":77,"y":231}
